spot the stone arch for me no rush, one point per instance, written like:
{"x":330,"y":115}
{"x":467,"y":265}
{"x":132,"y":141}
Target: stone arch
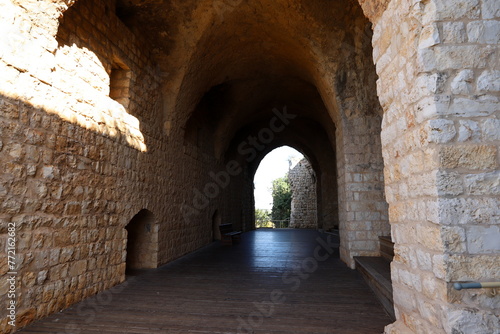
{"x":234,"y":87}
{"x":326,"y":185}
{"x":142,"y":241}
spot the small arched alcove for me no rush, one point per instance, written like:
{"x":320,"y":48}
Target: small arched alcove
{"x":142,"y":241}
{"x":216,"y":221}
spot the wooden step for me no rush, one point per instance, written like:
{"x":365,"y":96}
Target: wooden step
{"x":376,"y":271}
{"x":386,"y":247}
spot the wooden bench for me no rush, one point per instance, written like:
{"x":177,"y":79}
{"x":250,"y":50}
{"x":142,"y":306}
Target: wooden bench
{"x":227,"y":234}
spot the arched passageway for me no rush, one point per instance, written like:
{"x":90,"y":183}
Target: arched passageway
{"x":320,"y":100}
{"x":109,"y":106}
{"x":285,"y":190}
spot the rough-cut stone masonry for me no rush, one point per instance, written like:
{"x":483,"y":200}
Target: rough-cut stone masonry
{"x":76,"y":165}
{"x":438,"y":65}
{"x":304,"y":212}
{"x":162,"y":111}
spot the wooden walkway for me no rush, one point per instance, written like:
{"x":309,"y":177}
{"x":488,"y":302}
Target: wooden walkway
{"x":274,"y":281}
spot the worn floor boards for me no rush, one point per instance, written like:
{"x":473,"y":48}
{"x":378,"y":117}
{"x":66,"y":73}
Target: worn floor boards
{"x":229,"y":289}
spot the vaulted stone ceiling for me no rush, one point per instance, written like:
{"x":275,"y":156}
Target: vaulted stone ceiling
{"x":226,"y":64}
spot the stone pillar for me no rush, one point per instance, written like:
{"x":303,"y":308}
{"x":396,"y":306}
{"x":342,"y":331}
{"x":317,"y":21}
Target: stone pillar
{"x":362,"y":206}
{"x":439,"y":87}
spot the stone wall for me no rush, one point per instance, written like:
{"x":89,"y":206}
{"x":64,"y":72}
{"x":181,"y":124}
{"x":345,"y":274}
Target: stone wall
{"x":78,"y":165}
{"x":304,"y":212}
{"x":439,"y":86}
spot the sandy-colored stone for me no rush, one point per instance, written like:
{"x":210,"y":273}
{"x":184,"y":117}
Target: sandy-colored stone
{"x":469,"y":156}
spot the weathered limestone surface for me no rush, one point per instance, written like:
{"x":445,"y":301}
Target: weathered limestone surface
{"x":438,"y":63}
{"x":77,"y":165}
{"x":304,"y":212}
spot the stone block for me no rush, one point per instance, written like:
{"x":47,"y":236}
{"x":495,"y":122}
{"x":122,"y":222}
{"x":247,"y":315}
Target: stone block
{"x":28,"y":279}
{"x":452,"y":10}
{"x":449,"y":183}
{"x":73,"y":208}
{"x":468,"y":156}
{"x":410,"y":279}
{"x":483,"y":239}
{"x":468,"y":131}
{"x":489,"y":81}
{"x":490,"y":9}
{"x":484,"y":32}
{"x":474,"y":210}
{"x":429,"y":36}
{"x":463,"y":268}
{"x":491,"y":129}
{"x":454,"y":32}
{"x":405,"y":299}
{"x":462,"y":83}
{"x":434,"y":288}
{"x":483,"y":183}
{"x":483,"y":105}
{"x":454,"y":239}
{"x":440,"y":130}
{"x":42,"y":276}
{"x":431,"y":107}
{"x":430,"y":311}
{"x":430,"y":237}
{"x":465,"y":320}
{"x":424,"y":259}
{"x":446,"y":57}
{"x":439,"y":266}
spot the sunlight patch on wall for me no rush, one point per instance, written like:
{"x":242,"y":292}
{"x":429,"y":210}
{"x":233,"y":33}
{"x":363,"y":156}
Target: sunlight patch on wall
{"x":58,"y":86}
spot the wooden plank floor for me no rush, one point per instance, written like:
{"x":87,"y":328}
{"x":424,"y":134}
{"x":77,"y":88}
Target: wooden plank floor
{"x":234,"y":289}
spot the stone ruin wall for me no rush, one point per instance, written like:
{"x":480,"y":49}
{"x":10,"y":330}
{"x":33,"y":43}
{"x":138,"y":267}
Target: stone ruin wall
{"x":77,"y":166}
{"x":304,"y":213}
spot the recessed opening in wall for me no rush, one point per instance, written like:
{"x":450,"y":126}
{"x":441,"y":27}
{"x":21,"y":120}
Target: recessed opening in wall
{"x":141,"y":242}
{"x":216,"y":220}
{"x":119,"y":82}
